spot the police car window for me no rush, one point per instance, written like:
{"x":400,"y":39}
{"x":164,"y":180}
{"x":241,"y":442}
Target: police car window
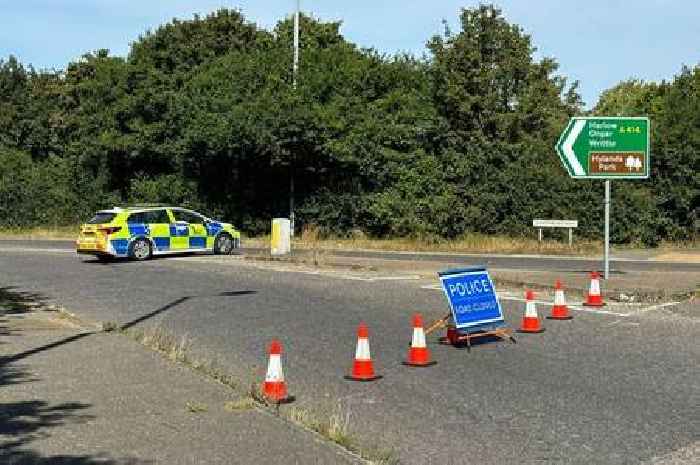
{"x":137,"y":218}
{"x":187,"y":217}
{"x":157,"y":216}
{"x":102,"y":217}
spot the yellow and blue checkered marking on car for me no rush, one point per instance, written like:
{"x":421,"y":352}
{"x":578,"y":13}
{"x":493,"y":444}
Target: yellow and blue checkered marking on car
{"x":156,"y":230}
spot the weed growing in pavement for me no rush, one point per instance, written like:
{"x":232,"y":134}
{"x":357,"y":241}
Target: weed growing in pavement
{"x":108,"y":326}
{"x":177,"y":349}
{"x":195,"y":407}
{"x":240,"y":404}
{"x":334,"y":427}
{"x":163,"y":341}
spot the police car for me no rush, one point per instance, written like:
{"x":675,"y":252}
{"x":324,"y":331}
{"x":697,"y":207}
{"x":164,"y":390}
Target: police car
{"x":142,"y":232}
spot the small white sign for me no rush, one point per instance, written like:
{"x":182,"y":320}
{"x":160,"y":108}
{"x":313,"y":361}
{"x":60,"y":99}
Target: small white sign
{"x":555,"y":223}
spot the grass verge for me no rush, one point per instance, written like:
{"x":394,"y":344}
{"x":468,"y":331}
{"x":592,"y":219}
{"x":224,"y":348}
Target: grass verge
{"x":334,"y":427}
{"x":41,"y":233}
{"x":311,"y":239}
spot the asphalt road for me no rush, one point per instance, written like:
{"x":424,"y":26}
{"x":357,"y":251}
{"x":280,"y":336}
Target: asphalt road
{"x":511,"y":262}
{"x":601,"y":389}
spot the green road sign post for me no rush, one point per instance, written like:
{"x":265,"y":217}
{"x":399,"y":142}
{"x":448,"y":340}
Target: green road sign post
{"x":606,"y":147}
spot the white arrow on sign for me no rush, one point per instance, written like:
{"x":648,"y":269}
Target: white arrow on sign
{"x":568,"y":148}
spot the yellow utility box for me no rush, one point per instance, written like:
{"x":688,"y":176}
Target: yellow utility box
{"x":280,"y":243}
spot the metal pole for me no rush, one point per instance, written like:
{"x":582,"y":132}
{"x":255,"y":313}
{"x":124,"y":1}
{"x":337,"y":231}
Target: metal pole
{"x":607,"y":229}
{"x":296,"y":46}
{"x":291,"y":201}
{"x":571,"y":237}
{"x":295,"y":69}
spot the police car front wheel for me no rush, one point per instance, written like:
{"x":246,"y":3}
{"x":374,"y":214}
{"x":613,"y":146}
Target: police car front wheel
{"x":140,"y":249}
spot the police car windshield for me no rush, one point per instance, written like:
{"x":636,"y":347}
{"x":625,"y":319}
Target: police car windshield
{"x":102,"y":217}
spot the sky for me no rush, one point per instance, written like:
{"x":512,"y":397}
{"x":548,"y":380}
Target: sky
{"x":597,"y":42}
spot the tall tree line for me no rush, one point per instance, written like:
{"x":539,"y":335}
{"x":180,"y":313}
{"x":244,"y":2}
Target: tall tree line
{"x":203,"y":113}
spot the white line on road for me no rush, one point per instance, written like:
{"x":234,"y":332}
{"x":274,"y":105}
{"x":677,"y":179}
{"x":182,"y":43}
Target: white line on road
{"x":434,"y":287}
{"x":571,"y":307}
{"x":656,"y":307}
{"x":31,"y":249}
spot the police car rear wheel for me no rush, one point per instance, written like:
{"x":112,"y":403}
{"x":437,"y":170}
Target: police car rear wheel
{"x":140,"y":249}
{"x":223,"y":245}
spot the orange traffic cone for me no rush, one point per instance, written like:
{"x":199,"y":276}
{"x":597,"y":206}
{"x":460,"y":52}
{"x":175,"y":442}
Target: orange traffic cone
{"x":594,"y":298}
{"x":275,"y":388}
{"x":418,"y":354}
{"x":559,"y":311}
{"x":362,"y":367}
{"x":531,"y":322}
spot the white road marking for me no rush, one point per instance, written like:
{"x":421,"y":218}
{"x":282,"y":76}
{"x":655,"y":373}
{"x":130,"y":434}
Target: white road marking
{"x":411,"y":277}
{"x":571,"y":307}
{"x":434,"y":287}
{"x":656,"y":307}
{"x":31,"y":249}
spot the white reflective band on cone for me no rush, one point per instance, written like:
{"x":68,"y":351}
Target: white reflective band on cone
{"x":559,"y":297}
{"x":530,"y":310}
{"x":595,"y":287}
{"x":418,"y":338}
{"x":362,"y":352}
{"x":274,"y":369}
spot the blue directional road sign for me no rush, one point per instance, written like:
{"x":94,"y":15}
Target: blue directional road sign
{"x":472,"y":297}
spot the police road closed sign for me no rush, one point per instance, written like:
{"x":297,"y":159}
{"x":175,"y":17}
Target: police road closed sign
{"x":472,"y":297}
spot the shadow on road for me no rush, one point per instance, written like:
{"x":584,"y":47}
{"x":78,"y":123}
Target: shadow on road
{"x":15,"y":302}
{"x":22,"y":422}
{"x":235,"y":293}
{"x":155,"y":312}
{"x":119,"y":261}
{"x":13,"y":358}
{"x":179,"y":301}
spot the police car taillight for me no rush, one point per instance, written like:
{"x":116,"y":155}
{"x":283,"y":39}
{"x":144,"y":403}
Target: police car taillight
{"x":110,"y":230}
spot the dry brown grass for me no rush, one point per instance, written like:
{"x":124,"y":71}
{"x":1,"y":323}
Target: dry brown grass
{"x":240,"y":404}
{"x":311,"y":239}
{"x":194,"y":406}
{"x":335,"y":426}
{"x":178,"y":349}
{"x":41,"y":233}
{"x":165,"y":342}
